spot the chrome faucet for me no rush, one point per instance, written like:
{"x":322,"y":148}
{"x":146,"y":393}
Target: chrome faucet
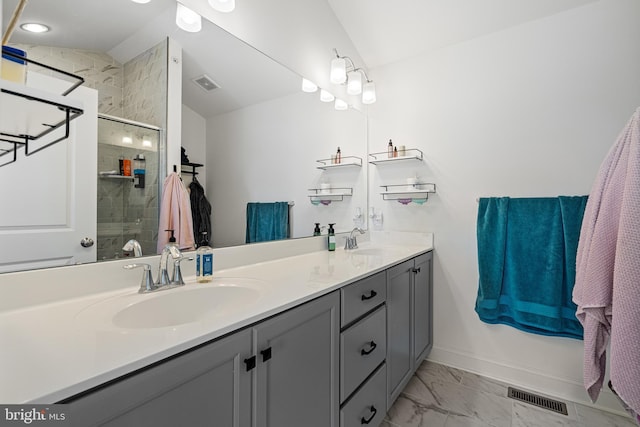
{"x":177,"y":273}
{"x":146,"y":285}
{"x":170,"y":250}
{"x":351,"y":242}
{"x":133,"y":245}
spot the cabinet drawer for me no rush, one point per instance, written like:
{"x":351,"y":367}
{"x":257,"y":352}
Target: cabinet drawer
{"x":368,"y":406}
{"x":362,"y":296}
{"x":362,"y":348}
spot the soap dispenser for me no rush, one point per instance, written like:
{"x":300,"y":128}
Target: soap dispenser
{"x":204,"y":260}
{"x":316,"y":231}
{"x":331,"y":238}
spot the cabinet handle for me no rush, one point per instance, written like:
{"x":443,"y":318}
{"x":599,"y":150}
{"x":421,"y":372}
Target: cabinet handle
{"x":372,"y":294}
{"x":374,"y":411}
{"x":250,"y":362}
{"x":416,"y":270}
{"x":372,"y":346}
{"x":266,"y":354}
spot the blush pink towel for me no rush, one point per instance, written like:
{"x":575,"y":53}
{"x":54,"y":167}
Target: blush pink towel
{"x":175,"y":214}
{"x":607,"y":288}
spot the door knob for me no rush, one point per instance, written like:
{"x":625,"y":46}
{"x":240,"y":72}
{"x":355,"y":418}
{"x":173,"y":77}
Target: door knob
{"x":87,"y":242}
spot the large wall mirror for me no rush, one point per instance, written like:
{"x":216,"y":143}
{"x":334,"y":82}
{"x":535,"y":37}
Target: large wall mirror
{"x":259,"y":137}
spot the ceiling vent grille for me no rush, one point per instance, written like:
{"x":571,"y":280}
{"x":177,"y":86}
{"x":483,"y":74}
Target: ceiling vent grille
{"x":537,"y":400}
{"x":205,"y":83}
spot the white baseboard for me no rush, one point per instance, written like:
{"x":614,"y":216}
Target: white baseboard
{"x":559,"y":388}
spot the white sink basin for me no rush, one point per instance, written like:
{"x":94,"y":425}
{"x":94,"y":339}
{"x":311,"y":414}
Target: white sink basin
{"x":173,"y":307}
{"x":169,"y":308}
{"x":369,"y":251}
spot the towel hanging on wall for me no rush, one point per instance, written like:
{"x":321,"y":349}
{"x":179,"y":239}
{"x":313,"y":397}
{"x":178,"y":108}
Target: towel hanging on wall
{"x":267,"y":221}
{"x":175,"y":214}
{"x":526,"y":261}
{"x":607,"y":289}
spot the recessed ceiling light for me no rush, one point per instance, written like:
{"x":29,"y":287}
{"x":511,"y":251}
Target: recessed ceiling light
{"x":141,"y":1}
{"x":34,"y":27}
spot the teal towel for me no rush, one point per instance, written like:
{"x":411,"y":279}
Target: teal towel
{"x":526,"y":260}
{"x":267,"y":221}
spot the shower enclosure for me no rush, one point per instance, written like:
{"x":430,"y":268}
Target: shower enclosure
{"x":127,"y":202}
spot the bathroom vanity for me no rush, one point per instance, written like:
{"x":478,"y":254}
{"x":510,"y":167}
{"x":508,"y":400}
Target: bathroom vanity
{"x":330,"y":340}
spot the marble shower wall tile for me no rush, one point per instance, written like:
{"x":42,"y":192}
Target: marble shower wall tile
{"x":99,"y":70}
{"x":590,"y":417}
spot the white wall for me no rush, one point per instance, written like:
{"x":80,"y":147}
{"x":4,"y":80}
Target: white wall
{"x":529,"y":111}
{"x":194,"y":141}
{"x":268,"y":152}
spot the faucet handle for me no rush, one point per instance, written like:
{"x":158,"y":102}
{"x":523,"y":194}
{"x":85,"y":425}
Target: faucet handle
{"x":177,"y":273}
{"x":146,"y":284}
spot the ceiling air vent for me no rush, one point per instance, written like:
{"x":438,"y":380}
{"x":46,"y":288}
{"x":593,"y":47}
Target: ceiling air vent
{"x":540,"y":401}
{"x":205,"y":83}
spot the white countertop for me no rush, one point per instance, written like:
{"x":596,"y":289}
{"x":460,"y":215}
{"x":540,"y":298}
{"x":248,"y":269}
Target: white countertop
{"x":55,"y":350}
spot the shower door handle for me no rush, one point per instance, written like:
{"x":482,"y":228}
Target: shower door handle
{"x":87,"y":242}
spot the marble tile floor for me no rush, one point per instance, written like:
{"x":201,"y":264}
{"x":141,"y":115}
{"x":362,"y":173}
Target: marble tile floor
{"x":440,"y":396}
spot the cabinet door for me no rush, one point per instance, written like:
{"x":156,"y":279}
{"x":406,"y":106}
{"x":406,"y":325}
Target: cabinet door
{"x":204,"y":387}
{"x":399,"y":329}
{"x":297,"y":371}
{"x":422,"y":307}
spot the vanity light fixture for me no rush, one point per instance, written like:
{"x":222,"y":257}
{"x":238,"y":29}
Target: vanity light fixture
{"x":141,"y":1}
{"x":308,"y":86}
{"x":369,"y":93}
{"x":344,"y":70}
{"x":223,"y":5}
{"x":340,"y":104}
{"x":127,"y":140}
{"x":146,"y":143}
{"x":326,"y":96}
{"x":34,"y":27}
{"x":187,"y":19}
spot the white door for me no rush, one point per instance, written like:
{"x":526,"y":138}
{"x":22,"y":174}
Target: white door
{"x":48,"y":199}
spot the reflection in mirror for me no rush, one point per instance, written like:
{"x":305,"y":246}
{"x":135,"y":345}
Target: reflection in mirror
{"x":127,"y":203}
{"x":257,"y":135}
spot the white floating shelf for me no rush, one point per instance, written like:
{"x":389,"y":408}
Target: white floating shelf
{"x":29,"y":111}
{"x":347,"y":161}
{"x":408,"y":192}
{"x":411,"y":154}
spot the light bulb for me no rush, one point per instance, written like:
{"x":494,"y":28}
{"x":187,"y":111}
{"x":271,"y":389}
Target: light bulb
{"x":340,"y":104}
{"x":338,"y":71}
{"x":354,"y":83}
{"x":187,"y":19}
{"x":369,"y":93}
{"x":326,"y":96}
{"x":308,"y":86}
{"x":223,"y":5}
{"x":34,"y":27}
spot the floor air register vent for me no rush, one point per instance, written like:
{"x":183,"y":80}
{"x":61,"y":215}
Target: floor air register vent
{"x":540,"y":401}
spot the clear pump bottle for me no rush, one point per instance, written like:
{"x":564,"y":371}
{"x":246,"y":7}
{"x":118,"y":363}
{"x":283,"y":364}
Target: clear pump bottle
{"x":204,"y":260}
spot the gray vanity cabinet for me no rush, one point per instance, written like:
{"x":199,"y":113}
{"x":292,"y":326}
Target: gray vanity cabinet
{"x":423,"y":308}
{"x":409,"y":327}
{"x":298,"y":367}
{"x":205,"y":387}
{"x":283,"y":371}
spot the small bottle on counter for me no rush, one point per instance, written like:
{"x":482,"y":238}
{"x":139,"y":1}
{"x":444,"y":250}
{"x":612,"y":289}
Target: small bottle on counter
{"x":331,"y":238}
{"x":316,"y":231}
{"x":390,"y":149}
{"x":338,"y":156}
{"x":204,"y":260}
{"x":395,"y":152}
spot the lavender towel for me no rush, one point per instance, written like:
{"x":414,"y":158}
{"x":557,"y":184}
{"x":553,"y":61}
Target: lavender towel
{"x":607,"y":288}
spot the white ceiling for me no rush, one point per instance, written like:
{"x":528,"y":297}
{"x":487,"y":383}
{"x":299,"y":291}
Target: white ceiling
{"x":386,"y":31}
{"x":383,"y":32}
{"x":123,"y":29}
